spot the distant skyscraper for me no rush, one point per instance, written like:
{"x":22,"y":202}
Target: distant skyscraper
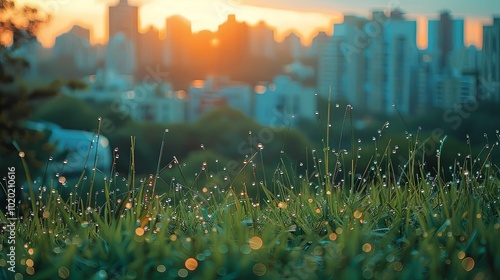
{"x":423,"y":95}
{"x":400,"y":37}
{"x":446,"y":35}
{"x":233,"y":46}
{"x":81,"y":32}
{"x":69,"y":43}
{"x":203,"y":52}
{"x":177,"y":46}
{"x":75,"y":45}
{"x":452,"y":90}
{"x":125,"y":19}
{"x":371,"y":64}
{"x":341,"y":65}
{"x":330,"y":65}
{"x":120,"y":57}
{"x":318,"y":44}
{"x":376,"y":63}
{"x":292,"y":44}
{"x":262,"y":43}
{"x":149,"y":45}
{"x":465,"y":60}
{"x":491,"y":57}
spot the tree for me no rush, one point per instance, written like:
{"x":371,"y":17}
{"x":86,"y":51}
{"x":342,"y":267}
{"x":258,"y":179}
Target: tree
{"x":18,"y":28}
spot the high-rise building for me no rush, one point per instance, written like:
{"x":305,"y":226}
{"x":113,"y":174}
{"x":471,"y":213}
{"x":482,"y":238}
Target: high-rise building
{"x":124,"y":18}
{"x":330,"y":64}
{"x":81,"y":32}
{"x":120,"y":58}
{"x":203,"y":52}
{"x":123,"y":24}
{"x":400,"y":36}
{"x":69,"y":43}
{"x":74,"y":46}
{"x":233,"y":45}
{"x":446,"y":35}
{"x":318,"y":44}
{"x":371,"y":64}
{"x":262,"y":43}
{"x":465,"y":60}
{"x":453,"y":90}
{"x":376,"y":63}
{"x":177,"y":45}
{"x":341,"y":65}
{"x":292,"y":45}
{"x":423,"y":95}
{"x":491,"y":58}
{"x":149,"y":48}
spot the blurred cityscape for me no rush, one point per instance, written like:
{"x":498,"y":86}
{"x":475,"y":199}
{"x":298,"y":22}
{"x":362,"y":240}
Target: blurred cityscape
{"x":373,"y":64}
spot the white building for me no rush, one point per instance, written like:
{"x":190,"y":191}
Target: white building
{"x":120,"y":55}
{"x":150,"y":102}
{"x":109,"y":81}
{"x":371,"y":64}
{"x":341,"y":64}
{"x":215,"y":92}
{"x":401,"y":61}
{"x":71,"y":42}
{"x":329,"y":65}
{"x":277,"y":103}
{"x":155,"y":102}
{"x":75,"y":44}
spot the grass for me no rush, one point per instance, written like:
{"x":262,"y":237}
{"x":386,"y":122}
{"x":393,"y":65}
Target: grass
{"x":391,"y":220}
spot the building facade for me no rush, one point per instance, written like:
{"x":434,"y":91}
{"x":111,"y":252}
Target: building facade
{"x":491,"y":65}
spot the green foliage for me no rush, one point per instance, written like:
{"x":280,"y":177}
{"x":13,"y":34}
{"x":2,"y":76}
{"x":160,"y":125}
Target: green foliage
{"x":18,"y":24}
{"x":61,"y":110}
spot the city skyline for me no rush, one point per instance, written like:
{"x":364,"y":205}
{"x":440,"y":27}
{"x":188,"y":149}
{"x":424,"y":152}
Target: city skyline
{"x":283,"y":17}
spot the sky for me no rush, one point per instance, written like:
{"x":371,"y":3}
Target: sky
{"x":305,"y":17}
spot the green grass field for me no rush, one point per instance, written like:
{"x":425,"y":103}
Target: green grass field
{"x":391,"y":221}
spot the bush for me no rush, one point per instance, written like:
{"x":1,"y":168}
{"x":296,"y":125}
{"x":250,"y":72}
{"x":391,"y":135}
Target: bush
{"x":68,"y":112}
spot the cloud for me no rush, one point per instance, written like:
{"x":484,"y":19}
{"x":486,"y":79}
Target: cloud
{"x":478,"y":8}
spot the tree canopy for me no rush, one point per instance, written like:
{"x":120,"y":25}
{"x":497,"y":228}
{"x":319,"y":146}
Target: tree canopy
{"x":18,"y":28}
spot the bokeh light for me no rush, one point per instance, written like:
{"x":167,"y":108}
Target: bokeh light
{"x":191,"y":264}
{"x":139,"y":231}
{"x":468,"y":263}
{"x":259,"y":269}
{"x":255,"y":243}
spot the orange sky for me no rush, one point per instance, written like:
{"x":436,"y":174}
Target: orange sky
{"x":205,"y":15}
